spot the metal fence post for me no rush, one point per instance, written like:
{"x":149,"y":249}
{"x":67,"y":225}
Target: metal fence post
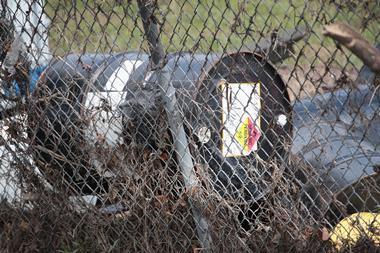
{"x":181,"y":146}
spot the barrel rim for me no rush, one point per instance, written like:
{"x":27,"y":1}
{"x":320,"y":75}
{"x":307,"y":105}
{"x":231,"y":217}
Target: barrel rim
{"x":229,"y":54}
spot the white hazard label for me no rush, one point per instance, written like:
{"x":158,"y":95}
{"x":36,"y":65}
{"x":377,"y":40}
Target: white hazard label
{"x":241,"y":106}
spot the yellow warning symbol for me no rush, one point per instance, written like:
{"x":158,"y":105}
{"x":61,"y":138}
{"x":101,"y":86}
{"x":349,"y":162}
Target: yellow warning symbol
{"x":247,"y":135}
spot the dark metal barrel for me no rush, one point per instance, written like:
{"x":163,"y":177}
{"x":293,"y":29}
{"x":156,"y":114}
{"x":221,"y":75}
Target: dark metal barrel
{"x":236,"y":109}
{"x":338,"y":135}
{"x":73,"y":97}
{"x":244,"y":103}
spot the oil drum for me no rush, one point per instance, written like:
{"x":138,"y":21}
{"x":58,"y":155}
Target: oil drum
{"x":70,"y":112}
{"x":334,"y":134}
{"x":236,"y":110}
{"x":244,"y":104}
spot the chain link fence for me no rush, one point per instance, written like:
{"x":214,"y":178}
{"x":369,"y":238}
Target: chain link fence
{"x":193,"y":126}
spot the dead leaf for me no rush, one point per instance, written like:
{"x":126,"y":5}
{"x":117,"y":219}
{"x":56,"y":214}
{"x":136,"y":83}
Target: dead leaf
{"x":24,"y":226}
{"x":324,"y":234}
{"x":162,"y":198}
{"x":164,"y":156}
{"x":197,"y":250}
{"x":308,"y":233}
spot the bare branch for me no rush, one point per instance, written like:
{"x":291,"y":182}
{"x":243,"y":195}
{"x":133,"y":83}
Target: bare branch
{"x":351,"y":39}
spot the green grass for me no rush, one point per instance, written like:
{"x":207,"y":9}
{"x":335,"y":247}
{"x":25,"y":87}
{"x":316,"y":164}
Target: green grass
{"x":195,"y":25}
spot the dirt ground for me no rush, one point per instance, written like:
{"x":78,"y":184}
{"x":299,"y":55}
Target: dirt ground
{"x":306,"y":82}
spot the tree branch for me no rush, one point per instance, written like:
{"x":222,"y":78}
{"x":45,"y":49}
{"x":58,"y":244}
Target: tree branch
{"x":345,"y":35}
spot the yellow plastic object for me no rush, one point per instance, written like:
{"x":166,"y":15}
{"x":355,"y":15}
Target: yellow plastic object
{"x":352,"y":228}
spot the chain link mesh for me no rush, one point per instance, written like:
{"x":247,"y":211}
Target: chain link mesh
{"x":173,"y":125}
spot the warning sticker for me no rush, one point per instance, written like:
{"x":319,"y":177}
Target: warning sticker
{"x":241,"y":118}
